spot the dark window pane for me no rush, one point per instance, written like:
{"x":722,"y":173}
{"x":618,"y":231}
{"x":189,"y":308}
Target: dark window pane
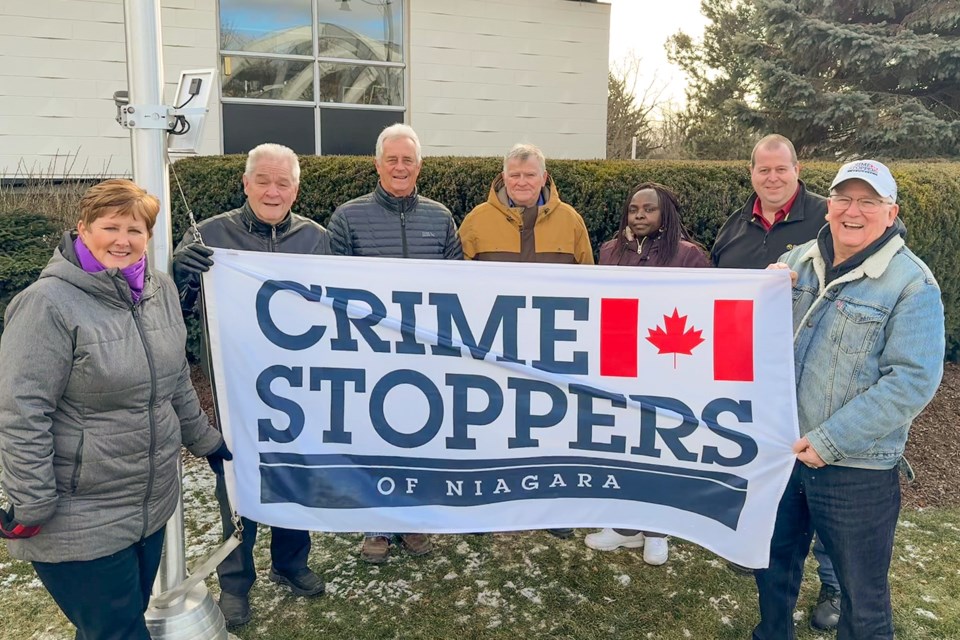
{"x":353,"y":132}
{"x":361,"y":84}
{"x":247,"y":125}
{"x":277,"y":26}
{"x":361,"y":29}
{"x":267,"y":78}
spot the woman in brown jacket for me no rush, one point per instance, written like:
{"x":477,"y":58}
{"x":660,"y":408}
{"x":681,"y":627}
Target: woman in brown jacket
{"x":650,"y":235}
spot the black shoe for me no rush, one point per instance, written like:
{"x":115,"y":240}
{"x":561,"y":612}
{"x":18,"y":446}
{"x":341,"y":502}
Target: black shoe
{"x":563,"y":534}
{"x":235,"y":609}
{"x":739,"y":569}
{"x":303,"y":583}
{"x":826,"y":615}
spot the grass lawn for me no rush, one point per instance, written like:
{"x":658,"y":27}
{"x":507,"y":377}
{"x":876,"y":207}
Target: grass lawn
{"x":524,"y":585}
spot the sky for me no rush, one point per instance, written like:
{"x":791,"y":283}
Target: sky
{"x":643,"y":26}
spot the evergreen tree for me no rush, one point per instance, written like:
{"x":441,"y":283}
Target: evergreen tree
{"x":719,"y":76}
{"x":841,"y":78}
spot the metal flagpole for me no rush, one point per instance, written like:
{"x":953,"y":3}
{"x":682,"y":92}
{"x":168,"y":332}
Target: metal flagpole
{"x":148,"y":131}
{"x":192,"y":615}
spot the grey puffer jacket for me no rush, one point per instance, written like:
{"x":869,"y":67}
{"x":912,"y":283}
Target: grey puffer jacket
{"x":95,"y":401}
{"x":385,"y":226}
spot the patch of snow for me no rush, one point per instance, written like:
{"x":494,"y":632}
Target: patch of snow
{"x":531,"y":595}
{"x":487,"y":598}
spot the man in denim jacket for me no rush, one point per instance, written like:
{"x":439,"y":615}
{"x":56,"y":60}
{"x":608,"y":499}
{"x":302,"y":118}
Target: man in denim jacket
{"x":868,"y":348}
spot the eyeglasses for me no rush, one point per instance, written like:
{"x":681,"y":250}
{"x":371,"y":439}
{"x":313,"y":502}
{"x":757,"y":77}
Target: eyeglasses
{"x":865,"y":205}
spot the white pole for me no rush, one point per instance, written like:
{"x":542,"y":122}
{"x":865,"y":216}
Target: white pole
{"x":145,"y":84}
{"x":633,"y":148}
{"x":193,"y":615}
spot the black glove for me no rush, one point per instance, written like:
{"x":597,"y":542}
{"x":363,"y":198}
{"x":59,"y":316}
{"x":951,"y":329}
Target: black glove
{"x":215,"y":459}
{"x":13,"y":530}
{"x":193,"y":259}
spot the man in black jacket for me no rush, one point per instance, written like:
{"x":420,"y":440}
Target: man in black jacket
{"x":779,"y":215}
{"x":264,"y":223}
{"x":394,"y":221}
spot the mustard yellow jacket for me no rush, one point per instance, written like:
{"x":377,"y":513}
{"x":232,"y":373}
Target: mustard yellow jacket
{"x":493,"y":230}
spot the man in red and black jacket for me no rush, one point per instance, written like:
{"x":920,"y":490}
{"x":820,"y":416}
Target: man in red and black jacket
{"x":780,"y":214}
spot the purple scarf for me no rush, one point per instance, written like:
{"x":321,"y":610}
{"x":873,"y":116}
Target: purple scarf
{"x":133,"y":274}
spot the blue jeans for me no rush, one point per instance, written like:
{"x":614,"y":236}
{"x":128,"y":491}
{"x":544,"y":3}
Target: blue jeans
{"x":825,"y":570}
{"x":854,"y":511}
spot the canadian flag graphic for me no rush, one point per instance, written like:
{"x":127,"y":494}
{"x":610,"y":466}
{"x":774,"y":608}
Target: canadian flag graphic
{"x":732,"y":338}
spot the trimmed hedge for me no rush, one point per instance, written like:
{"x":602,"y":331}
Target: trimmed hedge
{"x":709,"y":192}
{"x":26,"y":242}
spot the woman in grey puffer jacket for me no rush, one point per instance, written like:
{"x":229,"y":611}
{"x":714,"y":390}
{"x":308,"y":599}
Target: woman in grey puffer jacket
{"x":95,"y":401}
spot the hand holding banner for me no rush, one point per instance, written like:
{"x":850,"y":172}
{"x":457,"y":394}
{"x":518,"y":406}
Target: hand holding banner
{"x":399,"y":395}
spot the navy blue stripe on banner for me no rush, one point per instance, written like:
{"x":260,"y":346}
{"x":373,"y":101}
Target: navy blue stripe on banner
{"x":334,"y":459}
{"x":359,"y":482}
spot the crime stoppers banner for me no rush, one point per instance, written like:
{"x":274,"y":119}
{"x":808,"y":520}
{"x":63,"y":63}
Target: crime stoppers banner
{"x":425,"y":396}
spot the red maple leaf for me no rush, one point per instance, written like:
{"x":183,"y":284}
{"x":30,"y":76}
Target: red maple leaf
{"x":675,"y":340}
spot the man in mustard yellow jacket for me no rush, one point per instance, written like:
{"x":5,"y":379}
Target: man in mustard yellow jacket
{"x":523,"y":219}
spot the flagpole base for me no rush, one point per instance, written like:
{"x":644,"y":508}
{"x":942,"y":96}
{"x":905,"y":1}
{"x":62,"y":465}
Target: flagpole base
{"x":194,"y":617}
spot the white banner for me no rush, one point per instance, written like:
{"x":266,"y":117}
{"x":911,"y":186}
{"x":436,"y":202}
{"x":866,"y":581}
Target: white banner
{"x":420,"y":396}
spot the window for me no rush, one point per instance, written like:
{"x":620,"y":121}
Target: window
{"x":345,"y":56}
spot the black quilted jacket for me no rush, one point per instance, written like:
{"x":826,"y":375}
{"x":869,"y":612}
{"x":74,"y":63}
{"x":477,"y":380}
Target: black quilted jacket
{"x":381,"y":225}
{"x":241,"y":229}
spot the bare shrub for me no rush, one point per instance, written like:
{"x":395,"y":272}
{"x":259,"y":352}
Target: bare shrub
{"x":53,"y":190}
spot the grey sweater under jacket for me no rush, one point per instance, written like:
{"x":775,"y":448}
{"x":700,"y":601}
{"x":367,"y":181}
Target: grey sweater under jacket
{"x":95,"y":401}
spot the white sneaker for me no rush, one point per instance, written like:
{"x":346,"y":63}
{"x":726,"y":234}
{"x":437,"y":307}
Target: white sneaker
{"x":609,"y":540}
{"x":656,"y":551}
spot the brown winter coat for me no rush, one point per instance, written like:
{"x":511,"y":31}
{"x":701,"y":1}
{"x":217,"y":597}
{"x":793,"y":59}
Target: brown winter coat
{"x":496,"y":231}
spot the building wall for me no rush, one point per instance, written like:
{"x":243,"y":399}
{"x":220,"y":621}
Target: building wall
{"x":61,"y":61}
{"x":482,"y":75}
{"x":485,"y":74}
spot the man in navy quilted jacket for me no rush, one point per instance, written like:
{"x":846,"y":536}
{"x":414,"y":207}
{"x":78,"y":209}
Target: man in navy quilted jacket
{"x":394,"y":221}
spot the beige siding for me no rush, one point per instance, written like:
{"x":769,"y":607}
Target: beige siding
{"x":485,"y":74}
{"x":482,"y":75}
{"x":61,"y":61}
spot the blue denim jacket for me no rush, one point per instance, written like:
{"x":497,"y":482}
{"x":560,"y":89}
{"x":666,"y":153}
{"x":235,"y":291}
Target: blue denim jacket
{"x":868,"y":352}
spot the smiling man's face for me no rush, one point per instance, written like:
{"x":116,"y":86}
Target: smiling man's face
{"x":852,"y":228}
{"x":270,"y":189}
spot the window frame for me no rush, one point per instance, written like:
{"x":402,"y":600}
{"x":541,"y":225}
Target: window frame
{"x":316,"y":104}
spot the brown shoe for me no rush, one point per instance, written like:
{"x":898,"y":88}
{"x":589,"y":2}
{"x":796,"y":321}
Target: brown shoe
{"x":416,"y":544}
{"x":375,"y":549}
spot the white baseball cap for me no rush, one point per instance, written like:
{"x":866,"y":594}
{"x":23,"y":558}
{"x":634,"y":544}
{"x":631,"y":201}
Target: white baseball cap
{"x":874,"y":173}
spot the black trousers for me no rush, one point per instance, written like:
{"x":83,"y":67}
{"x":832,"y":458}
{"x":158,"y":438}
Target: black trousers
{"x":289,"y":549}
{"x":105,"y":598}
